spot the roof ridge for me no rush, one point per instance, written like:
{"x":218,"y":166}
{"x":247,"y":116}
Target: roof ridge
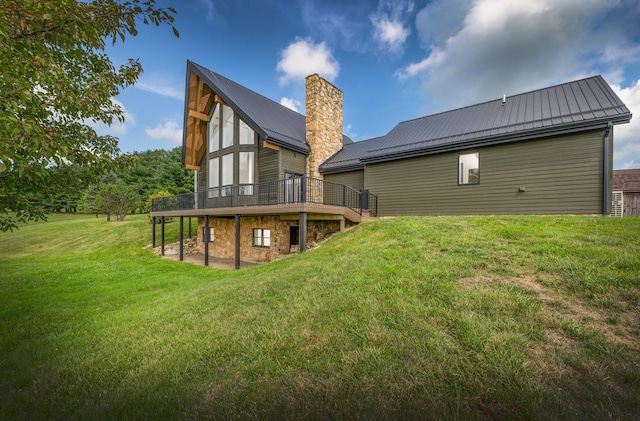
{"x":500,"y":99}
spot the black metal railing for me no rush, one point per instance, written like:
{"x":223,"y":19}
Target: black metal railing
{"x":278,"y":192}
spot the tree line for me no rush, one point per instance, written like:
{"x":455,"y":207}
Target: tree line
{"x":127,"y":190}
{"x":55,"y":78}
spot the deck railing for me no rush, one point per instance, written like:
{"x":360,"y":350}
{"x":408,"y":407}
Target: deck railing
{"x":278,"y":192}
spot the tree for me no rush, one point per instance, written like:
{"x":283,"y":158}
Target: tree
{"x":117,"y":199}
{"x":55,"y":81}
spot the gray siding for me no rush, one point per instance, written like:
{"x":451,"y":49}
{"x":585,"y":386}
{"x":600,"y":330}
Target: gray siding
{"x":202,"y":174}
{"x":561,"y":175}
{"x":291,"y":161}
{"x":268,"y":163}
{"x":353,"y":179}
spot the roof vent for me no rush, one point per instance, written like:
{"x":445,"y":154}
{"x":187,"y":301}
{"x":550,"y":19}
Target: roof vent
{"x":504,"y":99}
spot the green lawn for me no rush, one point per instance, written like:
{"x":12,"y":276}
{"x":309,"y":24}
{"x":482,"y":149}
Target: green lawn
{"x":494,"y":317}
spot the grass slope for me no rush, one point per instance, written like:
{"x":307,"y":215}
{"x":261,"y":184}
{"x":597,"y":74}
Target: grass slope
{"x":431,"y":318}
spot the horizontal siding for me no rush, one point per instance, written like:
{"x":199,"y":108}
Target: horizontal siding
{"x":560,"y":175}
{"x":268,"y":161}
{"x":291,"y":161}
{"x":353,"y":179}
{"x":202,"y":174}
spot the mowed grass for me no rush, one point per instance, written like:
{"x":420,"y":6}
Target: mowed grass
{"x":496,"y":317}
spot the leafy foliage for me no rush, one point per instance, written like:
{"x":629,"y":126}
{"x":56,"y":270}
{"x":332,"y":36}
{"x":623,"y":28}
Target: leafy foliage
{"x":115,"y":198}
{"x":56,"y":81}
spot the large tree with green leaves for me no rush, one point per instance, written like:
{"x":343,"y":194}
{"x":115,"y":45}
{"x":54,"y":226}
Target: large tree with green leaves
{"x":56,"y":80}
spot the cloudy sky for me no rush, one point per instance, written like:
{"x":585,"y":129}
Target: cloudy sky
{"x":394,"y":60}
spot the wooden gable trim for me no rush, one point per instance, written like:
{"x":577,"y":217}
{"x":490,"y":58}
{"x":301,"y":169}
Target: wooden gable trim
{"x":195,"y":138}
{"x":268,"y":145}
{"x":198,"y":115}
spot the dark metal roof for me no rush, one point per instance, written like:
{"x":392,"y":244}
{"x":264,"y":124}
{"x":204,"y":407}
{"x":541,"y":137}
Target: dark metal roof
{"x":348,"y":158}
{"x":272,"y":121}
{"x":565,"y":108}
{"x":626,"y":180}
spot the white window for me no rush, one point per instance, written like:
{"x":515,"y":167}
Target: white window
{"x":227,"y":130}
{"x":214,"y":176}
{"x":246,"y":176}
{"x":246,"y":134}
{"x":261,"y":237}
{"x":469,"y":168}
{"x":213,"y":131}
{"x":227,"y":174}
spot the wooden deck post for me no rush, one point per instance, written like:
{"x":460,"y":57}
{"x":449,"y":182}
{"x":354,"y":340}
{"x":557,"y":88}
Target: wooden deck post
{"x":237,"y":262}
{"x":205,"y":238}
{"x":181,"y":238}
{"x":303,"y":232}
{"x":162,"y":235}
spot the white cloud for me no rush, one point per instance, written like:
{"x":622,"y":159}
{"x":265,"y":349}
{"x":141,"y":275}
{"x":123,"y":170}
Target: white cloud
{"x":169,"y":130}
{"x":116,"y":128}
{"x":626,"y":137}
{"x":302,"y":58}
{"x":481,"y":49}
{"x":391,"y":34}
{"x":348,"y":130}
{"x":389,"y":24}
{"x":161,"y":85}
{"x":292,"y":104}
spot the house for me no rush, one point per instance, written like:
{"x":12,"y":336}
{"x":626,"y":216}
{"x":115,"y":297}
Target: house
{"x":626,"y":192}
{"x":269,"y":179}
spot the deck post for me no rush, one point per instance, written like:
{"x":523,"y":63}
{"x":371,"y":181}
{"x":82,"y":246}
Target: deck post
{"x":303,"y":232}
{"x":237,"y":262}
{"x":153,"y":232}
{"x":162,"y":235}
{"x":181,"y":238}
{"x":205,"y":239}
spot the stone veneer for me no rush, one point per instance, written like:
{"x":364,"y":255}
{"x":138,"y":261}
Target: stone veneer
{"x":225,"y":231}
{"x":323,"y":122}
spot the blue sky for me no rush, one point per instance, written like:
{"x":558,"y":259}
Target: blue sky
{"x":394,"y":60}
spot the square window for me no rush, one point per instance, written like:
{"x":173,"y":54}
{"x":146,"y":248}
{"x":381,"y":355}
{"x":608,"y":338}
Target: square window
{"x":469,"y":168}
{"x":261,"y":237}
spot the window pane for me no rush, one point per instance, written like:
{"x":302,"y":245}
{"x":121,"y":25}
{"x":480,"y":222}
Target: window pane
{"x":214,"y":130}
{"x":469,"y":168}
{"x":257,"y":237}
{"x":227,"y":131}
{"x":214,"y":173}
{"x":227,"y":169}
{"x":266,"y":238}
{"x":246,"y":134}
{"x":246,"y":167}
{"x":214,"y":177}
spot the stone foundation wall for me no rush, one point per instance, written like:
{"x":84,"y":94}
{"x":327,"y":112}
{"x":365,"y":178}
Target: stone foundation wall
{"x":225,"y":228}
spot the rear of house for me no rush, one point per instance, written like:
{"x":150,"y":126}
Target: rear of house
{"x":269,"y":179}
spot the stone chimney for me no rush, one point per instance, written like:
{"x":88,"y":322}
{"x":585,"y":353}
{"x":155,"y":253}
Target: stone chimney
{"x":323,"y":122}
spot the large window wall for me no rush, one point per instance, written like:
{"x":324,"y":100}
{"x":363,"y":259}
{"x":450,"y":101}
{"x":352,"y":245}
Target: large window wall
{"x":231,"y":150}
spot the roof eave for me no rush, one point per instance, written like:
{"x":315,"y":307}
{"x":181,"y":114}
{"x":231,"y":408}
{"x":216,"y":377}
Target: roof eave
{"x":499,"y":139}
{"x":343,"y":168}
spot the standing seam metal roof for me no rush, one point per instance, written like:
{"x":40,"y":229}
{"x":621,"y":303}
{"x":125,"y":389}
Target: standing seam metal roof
{"x":569,"y":106}
{"x":273,"y":121}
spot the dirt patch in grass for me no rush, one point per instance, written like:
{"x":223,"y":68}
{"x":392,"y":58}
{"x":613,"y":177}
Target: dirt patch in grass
{"x":616,"y":325}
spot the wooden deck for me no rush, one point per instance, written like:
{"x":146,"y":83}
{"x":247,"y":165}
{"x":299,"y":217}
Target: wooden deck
{"x":293,"y":208}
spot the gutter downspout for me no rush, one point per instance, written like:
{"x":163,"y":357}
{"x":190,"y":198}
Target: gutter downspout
{"x":606,"y":169}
